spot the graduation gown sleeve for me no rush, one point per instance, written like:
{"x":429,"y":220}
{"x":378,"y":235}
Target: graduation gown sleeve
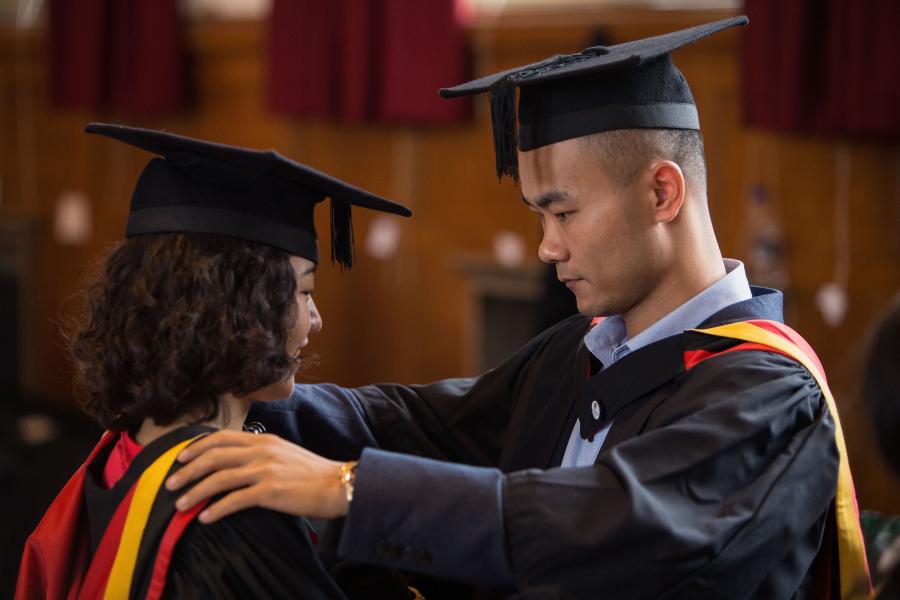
{"x":724,"y":494}
{"x":463,"y":420}
{"x":255,"y":553}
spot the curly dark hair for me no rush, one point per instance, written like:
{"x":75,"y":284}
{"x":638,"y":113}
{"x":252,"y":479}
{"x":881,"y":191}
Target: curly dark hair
{"x":173,"y":321}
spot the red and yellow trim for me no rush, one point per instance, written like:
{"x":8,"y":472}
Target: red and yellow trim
{"x":123,"y":537}
{"x":776,"y":337}
{"x":173,"y":533}
{"x":98,"y":573}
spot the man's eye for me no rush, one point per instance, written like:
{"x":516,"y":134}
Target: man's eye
{"x":562,"y":216}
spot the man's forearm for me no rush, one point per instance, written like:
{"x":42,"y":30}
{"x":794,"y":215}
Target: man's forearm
{"x":428,"y":516}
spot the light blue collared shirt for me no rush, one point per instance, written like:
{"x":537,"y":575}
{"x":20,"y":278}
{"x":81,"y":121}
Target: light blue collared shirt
{"x":608,"y":342}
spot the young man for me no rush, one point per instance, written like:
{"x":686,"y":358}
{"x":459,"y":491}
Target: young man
{"x":626,"y":457}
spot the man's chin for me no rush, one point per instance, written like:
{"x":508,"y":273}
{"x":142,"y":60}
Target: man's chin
{"x":588,"y":309}
{"x":593,"y":307}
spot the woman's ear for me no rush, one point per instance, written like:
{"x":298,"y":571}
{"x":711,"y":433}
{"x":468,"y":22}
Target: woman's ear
{"x":669,"y":190}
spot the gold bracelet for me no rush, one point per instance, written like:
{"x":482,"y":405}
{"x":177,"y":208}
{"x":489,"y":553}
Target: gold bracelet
{"x":348,"y":478}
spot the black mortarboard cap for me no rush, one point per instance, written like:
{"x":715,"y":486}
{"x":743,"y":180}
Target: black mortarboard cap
{"x":257,"y":195}
{"x":602,"y":88}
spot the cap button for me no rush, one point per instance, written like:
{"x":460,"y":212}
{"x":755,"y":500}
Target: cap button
{"x":596,"y":50}
{"x":595,"y":410}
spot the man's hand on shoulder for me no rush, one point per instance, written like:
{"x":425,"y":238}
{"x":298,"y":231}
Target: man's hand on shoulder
{"x":258,"y":470}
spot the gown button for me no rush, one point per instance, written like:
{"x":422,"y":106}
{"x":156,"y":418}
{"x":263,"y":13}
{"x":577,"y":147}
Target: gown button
{"x":595,"y":410}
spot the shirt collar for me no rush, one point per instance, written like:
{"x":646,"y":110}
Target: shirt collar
{"x":608,"y":340}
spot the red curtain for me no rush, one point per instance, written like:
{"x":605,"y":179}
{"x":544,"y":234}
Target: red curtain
{"x":366,"y":60}
{"x":823,"y":67}
{"x":125,"y":55}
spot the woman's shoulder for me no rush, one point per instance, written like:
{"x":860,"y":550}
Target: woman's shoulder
{"x":253,"y":553}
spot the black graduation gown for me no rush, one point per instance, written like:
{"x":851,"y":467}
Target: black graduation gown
{"x":255,"y":553}
{"x":713,"y":482}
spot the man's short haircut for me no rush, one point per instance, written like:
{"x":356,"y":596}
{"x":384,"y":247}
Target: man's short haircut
{"x":625,"y":152}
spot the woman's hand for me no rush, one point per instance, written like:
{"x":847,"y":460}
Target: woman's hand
{"x":258,"y":470}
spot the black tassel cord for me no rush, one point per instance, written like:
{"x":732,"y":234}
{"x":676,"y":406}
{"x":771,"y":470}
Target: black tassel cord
{"x":503,"y":108}
{"x":503,"y":118}
{"x":342,"y":242}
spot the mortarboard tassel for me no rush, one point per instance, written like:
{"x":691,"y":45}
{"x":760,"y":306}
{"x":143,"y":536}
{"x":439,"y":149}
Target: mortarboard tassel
{"x":503,"y":118}
{"x":342,"y":243}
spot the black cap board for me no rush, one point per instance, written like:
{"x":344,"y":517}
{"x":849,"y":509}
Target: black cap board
{"x":602,"y":88}
{"x":257,"y":195}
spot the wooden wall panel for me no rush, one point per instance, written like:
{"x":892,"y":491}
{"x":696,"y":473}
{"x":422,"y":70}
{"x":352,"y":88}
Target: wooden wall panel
{"x":406,"y":319}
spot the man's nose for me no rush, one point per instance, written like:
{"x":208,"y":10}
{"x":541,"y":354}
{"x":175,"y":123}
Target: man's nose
{"x":552,"y":250}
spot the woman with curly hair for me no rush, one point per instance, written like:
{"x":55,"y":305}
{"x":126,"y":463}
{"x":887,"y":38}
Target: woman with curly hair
{"x":204,"y":308}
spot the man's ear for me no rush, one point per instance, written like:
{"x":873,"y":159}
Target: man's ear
{"x":669,"y":190}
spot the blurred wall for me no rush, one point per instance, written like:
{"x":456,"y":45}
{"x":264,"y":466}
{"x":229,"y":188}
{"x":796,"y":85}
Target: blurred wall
{"x":408,"y":318}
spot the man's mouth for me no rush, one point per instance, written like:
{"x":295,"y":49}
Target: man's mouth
{"x":570,"y":282}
